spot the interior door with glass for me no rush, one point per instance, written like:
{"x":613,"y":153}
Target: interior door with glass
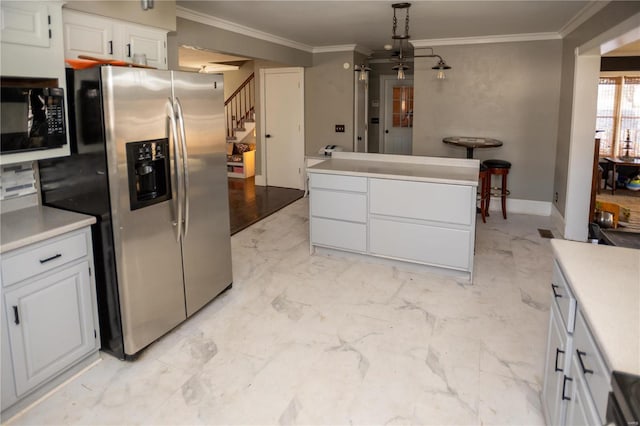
{"x":398,"y":115}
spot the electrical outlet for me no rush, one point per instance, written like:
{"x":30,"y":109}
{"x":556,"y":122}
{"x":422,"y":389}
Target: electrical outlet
{"x":339,"y":128}
{"x":555,"y":198}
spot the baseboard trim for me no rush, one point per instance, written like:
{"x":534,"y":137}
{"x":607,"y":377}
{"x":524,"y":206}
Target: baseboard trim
{"x":260,"y":180}
{"x":514,"y":205}
{"x":557,"y":220}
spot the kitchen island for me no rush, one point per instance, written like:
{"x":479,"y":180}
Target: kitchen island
{"x":413,"y":209}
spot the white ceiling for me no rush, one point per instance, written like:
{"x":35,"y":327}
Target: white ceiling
{"x":369,"y":23}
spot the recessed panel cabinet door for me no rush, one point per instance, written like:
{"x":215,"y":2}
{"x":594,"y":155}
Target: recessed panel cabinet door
{"x":147,"y":41}
{"x":87,"y":35}
{"x":24,"y":23}
{"x":50,"y":325}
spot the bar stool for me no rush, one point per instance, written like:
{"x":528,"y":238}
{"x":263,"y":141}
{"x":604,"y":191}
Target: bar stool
{"x":484,"y":191}
{"x":500,"y":168}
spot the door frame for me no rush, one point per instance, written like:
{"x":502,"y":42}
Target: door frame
{"x":382,"y":141}
{"x":261,"y":179}
{"x":365,"y":106}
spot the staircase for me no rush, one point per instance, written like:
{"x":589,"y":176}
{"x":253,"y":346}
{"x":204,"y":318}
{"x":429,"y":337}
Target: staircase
{"x":239,"y":111}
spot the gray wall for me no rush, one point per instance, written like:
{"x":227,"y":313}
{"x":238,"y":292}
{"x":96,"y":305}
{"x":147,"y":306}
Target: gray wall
{"x":329,"y":95}
{"x":506,"y":91}
{"x":608,"y":17}
{"x":233,"y":79}
{"x":163,"y":14}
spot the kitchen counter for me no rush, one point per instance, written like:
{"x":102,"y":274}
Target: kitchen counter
{"x":454,"y":171}
{"x":37,"y":223}
{"x":606,"y":283}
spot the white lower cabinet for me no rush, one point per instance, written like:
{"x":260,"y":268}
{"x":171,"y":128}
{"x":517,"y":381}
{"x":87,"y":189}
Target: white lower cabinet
{"x":577,"y":380}
{"x":50,"y":317}
{"x":414,"y":221}
{"x":554,"y":392}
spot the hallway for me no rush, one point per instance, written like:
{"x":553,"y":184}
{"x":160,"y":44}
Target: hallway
{"x":249,"y":203}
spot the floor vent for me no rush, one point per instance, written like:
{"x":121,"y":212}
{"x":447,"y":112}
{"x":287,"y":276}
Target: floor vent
{"x":545,"y":233}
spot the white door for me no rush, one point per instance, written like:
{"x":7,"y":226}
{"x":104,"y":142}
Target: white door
{"x":147,"y":41}
{"x":87,"y":35}
{"x":283,"y":124}
{"x":398,"y":115}
{"x":360,"y":143}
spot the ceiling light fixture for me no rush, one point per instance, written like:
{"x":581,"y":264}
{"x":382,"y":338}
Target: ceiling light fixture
{"x":401,"y":39}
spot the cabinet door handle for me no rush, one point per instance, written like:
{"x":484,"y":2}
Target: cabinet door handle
{"x":128,"y":50}
{"x":584,"y":369}
{"x":49,"y":259}
{"x":564,"y":384}
{"x":558,"y":351}
{"x":553,"y":288}
{"x":110,"y":43}
{"x":16,"y":317}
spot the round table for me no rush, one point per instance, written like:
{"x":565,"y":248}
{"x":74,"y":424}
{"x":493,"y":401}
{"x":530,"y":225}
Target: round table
{"x":471,"y":143}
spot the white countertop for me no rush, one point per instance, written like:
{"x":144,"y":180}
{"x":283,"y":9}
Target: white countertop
{"x":606,"y":283}
{"x":33,"y":224}
{"x":415,"y":168}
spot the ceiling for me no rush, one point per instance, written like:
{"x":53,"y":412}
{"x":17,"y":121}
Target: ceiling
{"x":368,"y":24}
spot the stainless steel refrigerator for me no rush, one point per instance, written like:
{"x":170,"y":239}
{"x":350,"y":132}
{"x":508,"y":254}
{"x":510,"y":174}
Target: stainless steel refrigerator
{"x":149,"y":161}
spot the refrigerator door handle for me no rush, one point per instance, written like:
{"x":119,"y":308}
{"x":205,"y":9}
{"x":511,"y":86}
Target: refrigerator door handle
{"x":177,"y":170}
{"x":185,"y":164}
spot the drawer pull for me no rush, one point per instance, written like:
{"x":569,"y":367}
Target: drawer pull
{"x":49,"y":259}
{"x":16,"y":317}
{"x":553,"y":288}
{"x":564,"y":384}
{"x":558,"y":351}
{"x":584,"y":370}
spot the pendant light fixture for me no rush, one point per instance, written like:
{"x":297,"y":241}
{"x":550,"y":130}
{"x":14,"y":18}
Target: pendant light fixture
{"x":401,"y":37}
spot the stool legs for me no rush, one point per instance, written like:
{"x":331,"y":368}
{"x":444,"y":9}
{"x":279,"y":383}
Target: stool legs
{"x":503,"y":190}
{"x":504,"y":195}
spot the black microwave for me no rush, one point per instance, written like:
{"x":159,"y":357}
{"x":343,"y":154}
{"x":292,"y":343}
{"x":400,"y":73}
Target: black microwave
{"x":31,"y":118}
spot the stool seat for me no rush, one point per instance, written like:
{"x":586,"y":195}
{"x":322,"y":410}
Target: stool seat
{"x":497,"y":164}
{"x":483,"y":168}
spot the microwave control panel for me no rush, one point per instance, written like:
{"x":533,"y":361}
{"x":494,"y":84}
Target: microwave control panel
{"x":55,"y":111}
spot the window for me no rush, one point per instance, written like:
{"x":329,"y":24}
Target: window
{"x":403,"y":106}
{"x":619,"y":116}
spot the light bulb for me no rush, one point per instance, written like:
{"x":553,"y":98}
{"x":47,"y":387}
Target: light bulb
{"x":400,"y":73}
{"x":441,"y":75}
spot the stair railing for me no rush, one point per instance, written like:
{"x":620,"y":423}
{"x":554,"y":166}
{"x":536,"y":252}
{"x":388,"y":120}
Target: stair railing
{"x":239,"y":107}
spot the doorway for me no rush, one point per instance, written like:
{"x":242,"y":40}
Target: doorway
{"x":397,"y":131}
{"x":282,"y":113}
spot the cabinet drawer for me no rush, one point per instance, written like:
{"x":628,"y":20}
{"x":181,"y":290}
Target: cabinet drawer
{"x":338,"y":234}
{"x":422,"y":243}
{"x":342,"y":183}
{"x":596,"y":374}
{"x":37,"y":258}
{"x":339,"y":205}
{"x":423,"y":200}
{"x":564,"y":298}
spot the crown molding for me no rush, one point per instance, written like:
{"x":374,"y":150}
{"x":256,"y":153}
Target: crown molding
{"x":192,"y":15}
{"x":342,"y":48}
{"x":507,"y":38}
{"x":582,"y":16}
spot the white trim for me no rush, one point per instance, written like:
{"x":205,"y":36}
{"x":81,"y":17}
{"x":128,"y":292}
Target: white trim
{"x":192,"y":15}
{"x":342,"y":48}
{"x":557,"y":220}
{"x":582,"y":16}
{"x":260,"y":180}
{"x":519,"y":206}
{"x":506,"y":38}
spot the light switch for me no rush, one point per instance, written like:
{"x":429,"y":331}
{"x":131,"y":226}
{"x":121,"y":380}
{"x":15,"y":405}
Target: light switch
{"x":339,"y":128}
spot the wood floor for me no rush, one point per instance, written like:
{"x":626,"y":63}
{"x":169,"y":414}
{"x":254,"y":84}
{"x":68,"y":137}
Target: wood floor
{"x":249,"y":203}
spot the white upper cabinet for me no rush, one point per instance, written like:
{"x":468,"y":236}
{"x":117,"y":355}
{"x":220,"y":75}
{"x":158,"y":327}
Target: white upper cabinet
{"x":87,"y":35}
{"x":25,"y":23}
{"x":148,"y":41}
{"x":106,"y":38}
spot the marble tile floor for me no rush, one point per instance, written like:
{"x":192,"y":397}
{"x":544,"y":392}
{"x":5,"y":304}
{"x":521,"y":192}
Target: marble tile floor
{"x":329,"y":340}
